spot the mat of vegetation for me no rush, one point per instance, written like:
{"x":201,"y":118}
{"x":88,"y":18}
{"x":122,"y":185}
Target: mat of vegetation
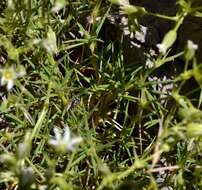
{"x":102,"y":95}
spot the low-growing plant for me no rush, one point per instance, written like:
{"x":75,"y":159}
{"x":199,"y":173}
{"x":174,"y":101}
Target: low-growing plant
{"x":75,"y":115}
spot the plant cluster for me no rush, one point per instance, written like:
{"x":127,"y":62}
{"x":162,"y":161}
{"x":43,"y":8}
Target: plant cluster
{"x":74,"y":115}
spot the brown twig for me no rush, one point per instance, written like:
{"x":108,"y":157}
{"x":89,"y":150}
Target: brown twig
{"x":156,"y":150}
{"x":170,"y":168}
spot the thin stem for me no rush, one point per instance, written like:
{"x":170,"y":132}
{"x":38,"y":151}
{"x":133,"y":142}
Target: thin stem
{"x":157,"y":152}
{"x":36,"y":170}
{"x":173,"y":18}
{"x":39,"y":122}
{"x":170,"y":168}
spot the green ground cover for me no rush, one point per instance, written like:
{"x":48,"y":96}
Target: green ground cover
{"x":74,"y":115}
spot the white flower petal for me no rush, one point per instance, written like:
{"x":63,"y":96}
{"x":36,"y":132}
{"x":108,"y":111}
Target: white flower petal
{"x":53,"y":142}
{"x":3,"y":81}
{"x":192,"y":45}
{"x":161,"y":48}
{"x":56,"y":8}
{"x":124,"y":2}
{"x":9,"y":85}
{"x":75,"y":141}
{"x":58,"y":135}
{"x":67,"y":136}
{"x":141,"y":35}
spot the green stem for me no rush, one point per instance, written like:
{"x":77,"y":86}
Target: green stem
{"x":196,"y":9}
{"x":119,"y":176}
{"x":173,"y":18}
{"x":179,"y":22}
{"x":40,"y":121}
{"x":36,"y":170}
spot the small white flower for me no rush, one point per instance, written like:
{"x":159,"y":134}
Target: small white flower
{"x":141,"y":35}
{"x":149,"y":63}
{"x":8,"y":75}
{"x":162,"y":48}
{"x":64,"y":142}
{"x":49,"y":46}
{"x":120,"y":2}
{"x":191,"y":45}
{"x":124,"y":2}
{"x":10,"y":4}
{"x":50,"y":43}
{"x":59,"y":4}
{"x":167,"y":42}
{"x":190,"y":50}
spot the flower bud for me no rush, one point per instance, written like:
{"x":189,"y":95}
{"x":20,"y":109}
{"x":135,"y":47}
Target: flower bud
{"x":131,"y":10}
{"x":197,"y":73}
{"x":190,"y":50}
{"x":194,"y":130}
{"x":168,"y":41}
